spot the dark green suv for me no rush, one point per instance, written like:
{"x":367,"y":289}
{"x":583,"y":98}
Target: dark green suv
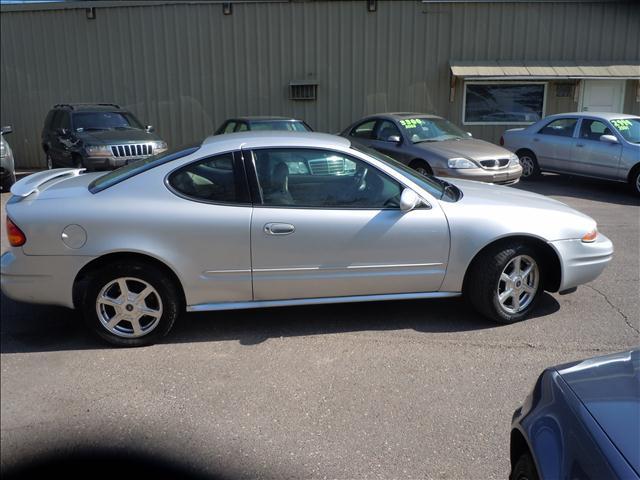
{"x":97,"y":136}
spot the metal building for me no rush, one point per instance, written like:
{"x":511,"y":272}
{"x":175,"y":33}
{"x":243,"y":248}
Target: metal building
{"x":185,"y":66}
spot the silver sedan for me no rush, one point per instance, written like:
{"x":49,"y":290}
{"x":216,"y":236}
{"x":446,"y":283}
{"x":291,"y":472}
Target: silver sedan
{"x":273,"y":219}
{"x":599,"y":145}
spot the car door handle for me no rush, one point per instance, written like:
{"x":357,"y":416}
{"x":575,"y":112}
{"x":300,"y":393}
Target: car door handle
{"x":579,"y":144}
{"x":536,"y":139}
{"x":279,"y":229}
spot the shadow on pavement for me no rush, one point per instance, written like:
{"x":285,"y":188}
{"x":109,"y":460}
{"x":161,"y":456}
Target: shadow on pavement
{"x":580,"y":187}
{"x":37,"y":328}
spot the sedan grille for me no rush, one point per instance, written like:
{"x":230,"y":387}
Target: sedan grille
{"x":327,"y":166}
{"x":132,"y":150}
{"x":495,"y":163}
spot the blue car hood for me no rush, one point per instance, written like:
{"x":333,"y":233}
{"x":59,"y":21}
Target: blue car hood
{"x":609,"y":387}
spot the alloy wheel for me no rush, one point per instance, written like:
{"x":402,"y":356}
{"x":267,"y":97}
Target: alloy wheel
{"x":518,"y":284}
{"x":129,"y":307}
{"x":528,"y":166}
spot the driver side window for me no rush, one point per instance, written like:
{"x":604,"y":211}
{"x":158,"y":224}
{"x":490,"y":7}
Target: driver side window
{"x":386,"y":130}
{"x":313,"y":178}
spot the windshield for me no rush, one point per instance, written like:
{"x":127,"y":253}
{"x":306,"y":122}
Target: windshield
{"x":139,"y":166}
{"x":104,"y":121}
{"x":286,"y":125}
{"x":629,"y":128}
{"x":423,"y":129}
{"x":440,"y":189}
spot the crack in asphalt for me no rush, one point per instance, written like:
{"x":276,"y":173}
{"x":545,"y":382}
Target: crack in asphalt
{"x":616,"y":308}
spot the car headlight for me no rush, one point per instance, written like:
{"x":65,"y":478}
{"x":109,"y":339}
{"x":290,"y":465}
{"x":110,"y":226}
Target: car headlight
{"x":159,"y":147}
{"x":590,"y":236}
{"x":461,"y":163}
{"x":513,"y":160}
{"x":98,"y":150}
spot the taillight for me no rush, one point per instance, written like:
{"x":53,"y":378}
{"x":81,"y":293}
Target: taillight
{"x":501,"y":140}
{"x":16,"y":237}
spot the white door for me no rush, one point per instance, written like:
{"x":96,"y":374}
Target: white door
{"x":602,"y":96}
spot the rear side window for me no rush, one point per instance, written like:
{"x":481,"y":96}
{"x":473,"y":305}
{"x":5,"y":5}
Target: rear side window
{"x":216,"y":179}
{"x":563,"y":127}
{"x":139,"y":166}
{"x":364,"y":130}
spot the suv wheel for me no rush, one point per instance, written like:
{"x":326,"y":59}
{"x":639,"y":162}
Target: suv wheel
{"x":77,"y":161}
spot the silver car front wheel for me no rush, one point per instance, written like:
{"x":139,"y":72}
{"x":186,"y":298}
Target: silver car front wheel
{"x":129,"y":307}
{"x":518,"y":284}
{"x":529,"y":164}
{"x":504,"y":282}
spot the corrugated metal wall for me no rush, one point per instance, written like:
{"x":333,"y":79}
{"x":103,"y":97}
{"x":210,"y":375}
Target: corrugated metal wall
{"x":186,"y":67}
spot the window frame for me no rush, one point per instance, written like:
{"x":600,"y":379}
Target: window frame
{"x":606,"y":123}
{"x":501,"y":83}
{"x":574,"y":134}
{"x":256,"y":190}
{"x":376,"y":122}
{"x":378,"y":128}
{"x":240,"y":180}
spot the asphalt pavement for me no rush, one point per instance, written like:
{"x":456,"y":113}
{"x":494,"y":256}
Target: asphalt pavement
{"x":413,"y":389}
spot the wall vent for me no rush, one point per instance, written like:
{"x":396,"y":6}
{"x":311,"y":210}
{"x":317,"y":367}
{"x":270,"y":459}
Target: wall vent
{"x":303,"y":90}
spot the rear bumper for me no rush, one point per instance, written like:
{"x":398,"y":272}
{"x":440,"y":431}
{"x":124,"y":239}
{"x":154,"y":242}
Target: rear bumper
{"x":40,"y":279}
{"x":507,"y":176}
{"x":582,"y":262}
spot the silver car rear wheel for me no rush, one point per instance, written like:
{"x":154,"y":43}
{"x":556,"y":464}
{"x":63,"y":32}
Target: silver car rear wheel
{"x":518,"y":284}
{"x":129,"y":307}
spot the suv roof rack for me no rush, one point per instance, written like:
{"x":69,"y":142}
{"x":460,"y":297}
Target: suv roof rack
{"x":71,"y":105}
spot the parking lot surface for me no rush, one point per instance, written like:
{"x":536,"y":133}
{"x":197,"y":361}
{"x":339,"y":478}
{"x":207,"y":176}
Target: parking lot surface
{"x":414,"y":389}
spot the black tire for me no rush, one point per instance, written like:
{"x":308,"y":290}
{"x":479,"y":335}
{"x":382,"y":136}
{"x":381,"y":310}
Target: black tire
{"x":421,"y":167}
{"x":77,"y":161}
{"x":524,"y":469}
{"x":529,"y":162}
{"x":634,"y":181}
{"x":483,"y":282}
{"x":49,"y":161}
{"x":8,"y":182}
{"x":169,"y":302}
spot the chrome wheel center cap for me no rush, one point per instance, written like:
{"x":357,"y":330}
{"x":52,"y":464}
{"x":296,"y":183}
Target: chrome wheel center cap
{"x":517,"y":282}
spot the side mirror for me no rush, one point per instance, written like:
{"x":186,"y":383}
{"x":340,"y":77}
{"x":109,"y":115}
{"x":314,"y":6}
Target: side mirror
{"x":409,"y":200}
{"x":470,"y":134}
{"x":394,"y":139}
{"x":149,"y":128}
{"x":608,"y":138}
{"x":6,"y":129}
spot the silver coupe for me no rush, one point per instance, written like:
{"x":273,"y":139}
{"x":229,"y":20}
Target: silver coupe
{"x":263,"y":219}
{"x":599,"y":145}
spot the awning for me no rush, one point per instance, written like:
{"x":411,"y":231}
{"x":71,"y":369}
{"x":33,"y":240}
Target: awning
{"x":496,"y":70}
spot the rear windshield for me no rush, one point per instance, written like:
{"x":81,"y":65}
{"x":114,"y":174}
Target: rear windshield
{"x":285,"y":125}
{"x":139,"y":166}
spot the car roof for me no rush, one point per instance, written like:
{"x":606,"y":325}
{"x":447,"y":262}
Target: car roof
{"x":89,"y":107}
{"x":604,"y":115}
{"x":398,"y":115}
{"x":264,"y":118}
{"x":253,"y":139}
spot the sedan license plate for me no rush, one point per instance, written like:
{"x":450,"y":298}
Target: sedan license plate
{"x":499,"y":177}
